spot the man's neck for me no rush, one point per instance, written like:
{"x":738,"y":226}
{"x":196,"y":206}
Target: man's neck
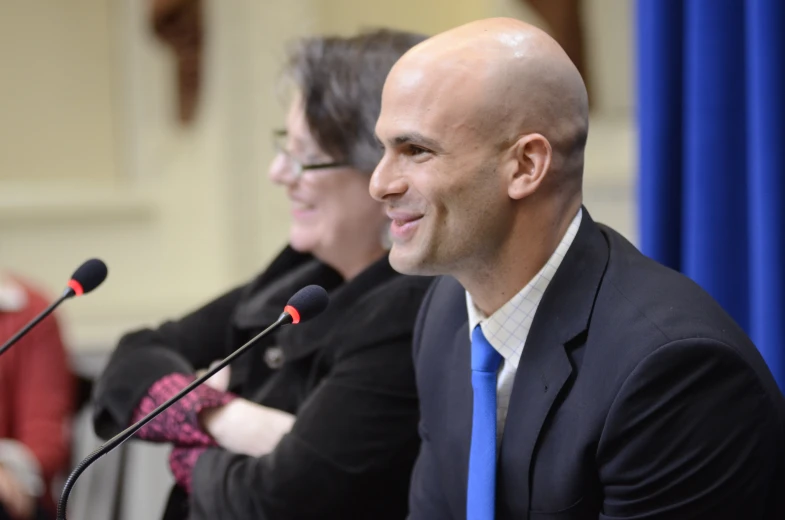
{"x":498,"y":278}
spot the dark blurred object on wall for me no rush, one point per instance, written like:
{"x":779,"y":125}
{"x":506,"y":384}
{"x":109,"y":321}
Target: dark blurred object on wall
{"x":566,"y":25}
{"x":179,"y":24}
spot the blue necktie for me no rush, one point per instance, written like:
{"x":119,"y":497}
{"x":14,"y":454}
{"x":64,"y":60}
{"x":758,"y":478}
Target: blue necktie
{"x":481,"y":497}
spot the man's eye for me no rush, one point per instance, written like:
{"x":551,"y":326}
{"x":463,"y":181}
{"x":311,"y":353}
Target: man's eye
{"x":414,"y":150}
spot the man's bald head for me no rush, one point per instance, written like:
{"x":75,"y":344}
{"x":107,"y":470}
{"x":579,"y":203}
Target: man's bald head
{"x":484,"y":128}
{"x":501,"y":78}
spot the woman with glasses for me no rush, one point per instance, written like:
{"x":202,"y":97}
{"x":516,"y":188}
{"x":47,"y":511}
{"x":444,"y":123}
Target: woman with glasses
{"x":321,"y":420}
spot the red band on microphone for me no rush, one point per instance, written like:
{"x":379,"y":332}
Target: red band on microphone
{"x":76,"y":286}
{"x":291,"y":311}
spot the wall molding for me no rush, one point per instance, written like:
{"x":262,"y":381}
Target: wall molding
{"x":72,"y":202}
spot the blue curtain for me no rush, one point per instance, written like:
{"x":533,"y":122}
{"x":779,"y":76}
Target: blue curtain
{"x":711,"y":114}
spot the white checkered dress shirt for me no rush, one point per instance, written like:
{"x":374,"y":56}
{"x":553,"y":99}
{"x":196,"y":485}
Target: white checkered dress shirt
{"x":507,"y":328}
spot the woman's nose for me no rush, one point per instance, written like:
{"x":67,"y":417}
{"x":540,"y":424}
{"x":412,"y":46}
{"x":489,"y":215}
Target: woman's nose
{"x":280,"y":171}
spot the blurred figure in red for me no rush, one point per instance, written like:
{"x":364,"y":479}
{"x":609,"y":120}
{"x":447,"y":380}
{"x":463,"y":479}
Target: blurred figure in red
{"x":36,"y":403}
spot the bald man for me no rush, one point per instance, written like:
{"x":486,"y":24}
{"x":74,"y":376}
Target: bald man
{"x":562,"y":374}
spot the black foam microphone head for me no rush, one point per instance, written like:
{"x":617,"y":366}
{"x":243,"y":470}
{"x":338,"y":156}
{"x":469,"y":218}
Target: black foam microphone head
{"x":306,"y":303}
{"x":88,"y":276}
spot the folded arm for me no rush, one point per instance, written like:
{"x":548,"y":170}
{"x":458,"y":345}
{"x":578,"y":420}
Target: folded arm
{"x":355,"y":434}
{"x":144,"y":357}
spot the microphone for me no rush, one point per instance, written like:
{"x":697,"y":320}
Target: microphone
{"x":306,"y":303}
{"x":87,"y":277}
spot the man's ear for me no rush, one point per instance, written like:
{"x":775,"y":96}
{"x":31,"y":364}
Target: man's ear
{"x":532,"y":154}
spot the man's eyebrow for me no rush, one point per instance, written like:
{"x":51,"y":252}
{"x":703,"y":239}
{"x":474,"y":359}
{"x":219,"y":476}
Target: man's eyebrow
{"x":414,"y":138}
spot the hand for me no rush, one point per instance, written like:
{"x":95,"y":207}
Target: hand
{"x":246,"y":427}
{"x":14,"y":498}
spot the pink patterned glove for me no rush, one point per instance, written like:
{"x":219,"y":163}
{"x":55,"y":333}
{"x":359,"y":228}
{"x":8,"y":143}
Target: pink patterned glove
{"x":182,"y":462}
{"x":178,"y":424}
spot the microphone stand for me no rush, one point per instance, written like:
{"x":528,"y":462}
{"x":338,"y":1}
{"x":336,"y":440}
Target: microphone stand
{"x":68,"y":293}
{"x":126,"y":434}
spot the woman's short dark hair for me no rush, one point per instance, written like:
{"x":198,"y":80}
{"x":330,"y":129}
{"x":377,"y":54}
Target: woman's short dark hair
{"x":340,"y":80}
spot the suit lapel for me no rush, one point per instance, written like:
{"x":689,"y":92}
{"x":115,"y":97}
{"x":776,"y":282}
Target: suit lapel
{"x":539,"y":379}
{"x":544,"y":368}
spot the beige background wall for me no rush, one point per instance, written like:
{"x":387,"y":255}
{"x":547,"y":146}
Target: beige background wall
{"x":92,"y":162}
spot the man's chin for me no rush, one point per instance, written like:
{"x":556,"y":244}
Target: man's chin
{"x":401,"y":261}
{"x":409,"y":262}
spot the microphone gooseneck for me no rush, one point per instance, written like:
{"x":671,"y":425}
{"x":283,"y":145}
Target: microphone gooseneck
{"x":300,"y":307}
{"x":87,"y":277}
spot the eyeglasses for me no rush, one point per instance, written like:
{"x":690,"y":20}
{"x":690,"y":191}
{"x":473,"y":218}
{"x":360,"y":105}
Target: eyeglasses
{"x":298,"y":167}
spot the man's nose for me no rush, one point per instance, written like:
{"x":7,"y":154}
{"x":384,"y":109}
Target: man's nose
{"x":386,"y":182}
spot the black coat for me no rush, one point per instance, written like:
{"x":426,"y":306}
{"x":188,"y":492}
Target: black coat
{"x":347,"y":375}
{"x":636,"y":397}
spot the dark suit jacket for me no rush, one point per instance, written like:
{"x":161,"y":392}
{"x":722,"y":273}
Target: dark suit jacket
{"x":347,"y":375}
{"x":636,"y":397}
